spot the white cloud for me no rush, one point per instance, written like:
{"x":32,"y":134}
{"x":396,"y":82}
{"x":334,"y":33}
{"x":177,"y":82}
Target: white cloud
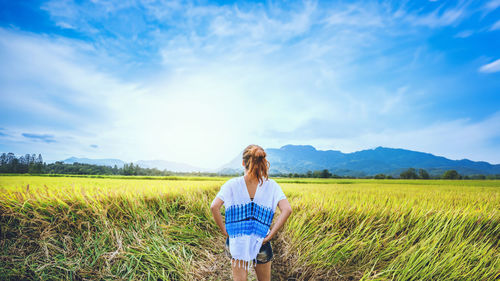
{"x":455,"y":139}
{"x":65,"y":25}
{"x":495,"y":26}
{"x":434,"y":19}
{"x":490,"y":67}
{"x":358,"y":15}
{"x":492,"y":5}
{"x":203,"y":115}
{"x":57,"y":86}
{"x":226,"y":77}
{"x":464,"y":33}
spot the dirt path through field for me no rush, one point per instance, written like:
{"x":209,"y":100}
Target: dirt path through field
{"x":213,"y":264}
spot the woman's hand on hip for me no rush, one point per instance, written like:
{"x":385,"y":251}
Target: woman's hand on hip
{"x":267,"y":238}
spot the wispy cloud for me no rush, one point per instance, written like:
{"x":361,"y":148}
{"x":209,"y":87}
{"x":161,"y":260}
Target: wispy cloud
{"x":40,"y":137}
{"x":492,"y":5}
{"x":439,"y":17}
{"x":464,"y":33}
{"x":495,"y":26}
{"x":490,"y":67}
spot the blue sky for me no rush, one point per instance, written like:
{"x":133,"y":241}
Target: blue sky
{"x":196,"y":82}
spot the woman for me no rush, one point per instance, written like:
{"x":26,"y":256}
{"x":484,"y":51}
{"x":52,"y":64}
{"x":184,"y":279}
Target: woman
{"x":250,"y":201}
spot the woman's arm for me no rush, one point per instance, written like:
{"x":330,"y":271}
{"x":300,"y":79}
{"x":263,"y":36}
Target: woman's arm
{"x":215,"y":208}
{"x":286,"y":210}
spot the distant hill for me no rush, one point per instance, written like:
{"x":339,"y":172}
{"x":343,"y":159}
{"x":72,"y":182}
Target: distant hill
{"x":369,"y":162}
{"x":159,"y":164}
{"x":103,"y":162}
{"x":168,"y":165}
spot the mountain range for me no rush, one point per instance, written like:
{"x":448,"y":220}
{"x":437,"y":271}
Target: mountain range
{"x":304,"y":158}
{"x":369,"y":162}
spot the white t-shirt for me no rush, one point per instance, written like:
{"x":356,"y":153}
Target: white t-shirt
{"x":248,"y":221}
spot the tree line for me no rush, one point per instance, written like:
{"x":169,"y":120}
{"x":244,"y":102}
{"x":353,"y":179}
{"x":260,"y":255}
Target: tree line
{"x":325,"y":174}
{"x":33,"y":164}
{"x":410,"y":173}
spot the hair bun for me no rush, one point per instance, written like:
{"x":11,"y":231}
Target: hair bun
{"x":259,"y":153}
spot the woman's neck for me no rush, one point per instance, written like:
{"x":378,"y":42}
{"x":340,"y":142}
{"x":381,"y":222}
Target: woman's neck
{"x":249,"y":178}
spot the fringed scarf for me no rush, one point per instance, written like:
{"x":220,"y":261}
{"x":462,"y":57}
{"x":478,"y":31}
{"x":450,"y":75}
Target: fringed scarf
{"x":248,"y":221}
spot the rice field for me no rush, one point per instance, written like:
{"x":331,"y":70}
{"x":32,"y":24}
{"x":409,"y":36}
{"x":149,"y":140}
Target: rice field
{"x":78,"y":228}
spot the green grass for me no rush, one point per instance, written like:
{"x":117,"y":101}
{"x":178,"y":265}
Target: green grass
{"x":136,"y":228}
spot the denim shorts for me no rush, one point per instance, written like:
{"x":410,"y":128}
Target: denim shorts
{"x":265,"y":253}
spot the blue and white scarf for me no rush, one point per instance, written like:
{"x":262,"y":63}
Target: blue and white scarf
{"x":247,"y":221}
